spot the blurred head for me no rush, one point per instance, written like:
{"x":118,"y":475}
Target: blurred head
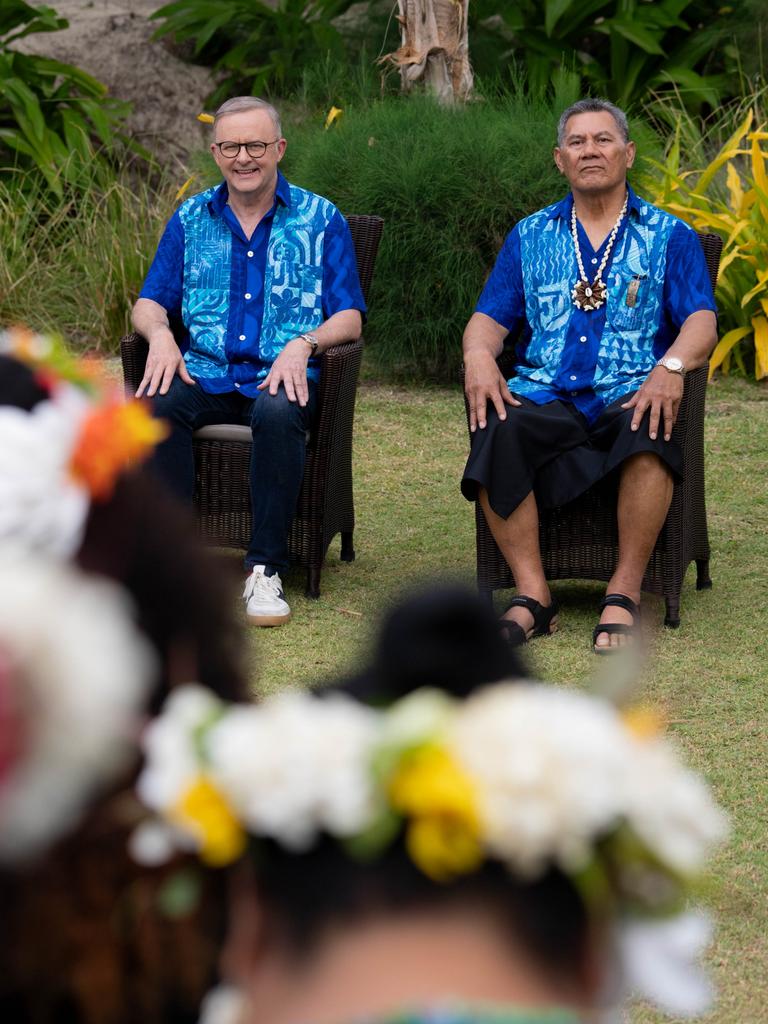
{"x":100,"y":617}
{"x":426,"y":827}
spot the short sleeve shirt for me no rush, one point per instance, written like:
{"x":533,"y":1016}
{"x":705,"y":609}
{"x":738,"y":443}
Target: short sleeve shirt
{"x":164,"y":282}
{"x":657,"y":277}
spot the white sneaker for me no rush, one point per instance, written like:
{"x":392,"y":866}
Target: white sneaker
{"x":265,"y":603}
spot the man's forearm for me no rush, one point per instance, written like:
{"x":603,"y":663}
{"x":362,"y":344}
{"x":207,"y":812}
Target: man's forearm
{"x":697,"y":338}
{"x":346,"y":325}
{"x":149,"y":318}
{"x":483,"y":336}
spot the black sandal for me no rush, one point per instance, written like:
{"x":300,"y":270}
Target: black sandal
{"x":617,"y":628}
{"x":543,"y":624}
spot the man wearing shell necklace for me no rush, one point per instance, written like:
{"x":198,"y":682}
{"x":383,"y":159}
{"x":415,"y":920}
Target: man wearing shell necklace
{"x":608,"y":303}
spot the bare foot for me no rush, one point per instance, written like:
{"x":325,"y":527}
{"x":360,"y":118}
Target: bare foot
{"x":615,"y":614}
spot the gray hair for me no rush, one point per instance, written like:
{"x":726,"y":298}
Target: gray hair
{"x":238,"y":104}
{"x":593,"y":107}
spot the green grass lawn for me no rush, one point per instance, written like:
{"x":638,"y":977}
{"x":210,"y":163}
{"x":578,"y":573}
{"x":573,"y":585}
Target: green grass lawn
{"x":709,"y":676}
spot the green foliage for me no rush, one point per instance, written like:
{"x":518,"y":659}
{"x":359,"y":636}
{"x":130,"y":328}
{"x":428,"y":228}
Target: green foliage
{"x":73,"y":263}
{"x":259,"y":49}
{"x":621,"y":49}
{"x":727,"y":194}
{"x":50,"y":113}
{"x":450,"y":184}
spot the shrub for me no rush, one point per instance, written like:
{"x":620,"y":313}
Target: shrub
{"x":450,"y":184}
{"x":73,"y":263}
{"x":730,"y":198}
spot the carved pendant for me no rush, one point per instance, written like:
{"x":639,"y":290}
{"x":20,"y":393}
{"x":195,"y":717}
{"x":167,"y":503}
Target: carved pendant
{"x":589,"y":296}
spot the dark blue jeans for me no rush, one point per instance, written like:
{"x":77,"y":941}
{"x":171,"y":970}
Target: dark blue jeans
{"x":279,"y":429}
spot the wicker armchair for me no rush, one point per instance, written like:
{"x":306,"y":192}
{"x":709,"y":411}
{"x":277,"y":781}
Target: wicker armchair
{"x":580,"y":540}
{"x":222,"y":452}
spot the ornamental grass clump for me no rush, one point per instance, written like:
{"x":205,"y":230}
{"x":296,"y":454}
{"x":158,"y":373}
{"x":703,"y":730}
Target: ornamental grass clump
{"x":729,"y":197}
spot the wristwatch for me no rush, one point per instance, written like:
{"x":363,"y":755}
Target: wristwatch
{"x":311,"y":340}
{"x":673,"y":364}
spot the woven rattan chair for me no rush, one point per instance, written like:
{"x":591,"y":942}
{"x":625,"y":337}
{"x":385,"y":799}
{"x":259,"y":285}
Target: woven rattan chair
{"x":222,"y":452}
{"x":580,"y":540}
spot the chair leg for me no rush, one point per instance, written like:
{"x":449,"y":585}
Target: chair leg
{"x":313,"y":583}
{"x":347,"y":546}
{"x":703,"y":579}
{"x":672,"y":619}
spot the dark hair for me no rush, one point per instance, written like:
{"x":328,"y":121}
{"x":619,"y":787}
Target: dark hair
{"x":593,"y":106}
{"x":444,"y":637}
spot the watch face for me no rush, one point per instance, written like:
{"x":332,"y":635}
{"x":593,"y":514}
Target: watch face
{"x":674,"y":364}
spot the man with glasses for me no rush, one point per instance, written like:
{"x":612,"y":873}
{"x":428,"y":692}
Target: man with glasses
{"x":263,"y":278}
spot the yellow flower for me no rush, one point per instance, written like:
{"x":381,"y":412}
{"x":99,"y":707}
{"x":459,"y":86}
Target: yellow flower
{"x":644,"y":722}
{"x":204,"y":812}
{"x":112,"y":437}
{"x":443,"y":834}
{"x":205,"y":118}
{"x":333,"y":115}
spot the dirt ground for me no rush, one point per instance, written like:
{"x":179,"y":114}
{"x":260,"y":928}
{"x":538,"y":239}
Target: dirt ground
{"x":111,"y":39}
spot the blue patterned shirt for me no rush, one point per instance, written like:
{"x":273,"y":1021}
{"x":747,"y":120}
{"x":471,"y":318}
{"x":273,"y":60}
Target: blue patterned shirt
{"x":231,"y":346}
{"x":656,"y":277}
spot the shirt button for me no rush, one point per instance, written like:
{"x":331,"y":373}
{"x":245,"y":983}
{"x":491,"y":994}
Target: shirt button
{"x":242,"y":337}
{"x":237,"y":385}
{"x":250,"y":252}
{"x":573,"y":376}
{"x":583,"y":337}
{"x":594,"y":259}
{"x":247,"y":295}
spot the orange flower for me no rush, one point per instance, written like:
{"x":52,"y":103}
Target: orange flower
{"x":113,"y":437}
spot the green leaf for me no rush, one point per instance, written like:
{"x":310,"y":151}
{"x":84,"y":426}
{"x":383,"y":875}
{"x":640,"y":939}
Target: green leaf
{"x":646,"y":40}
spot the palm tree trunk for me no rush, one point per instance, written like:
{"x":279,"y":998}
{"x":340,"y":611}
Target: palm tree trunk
{"x":434,"y":48}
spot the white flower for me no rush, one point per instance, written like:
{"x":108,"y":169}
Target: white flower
{"x":296,"y":765}
{"x":548,"y":765}
{"x":659,"y":961}
{"x":224,"y":1004}
{"x":418,"y":717}
{"x":671,"y":808}
{"x":172,"y":745}
{"x":41,"y":505}
{"x":76,"y":672}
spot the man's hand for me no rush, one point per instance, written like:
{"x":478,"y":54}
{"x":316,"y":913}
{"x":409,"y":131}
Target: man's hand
{"x":484,"y":383}
{"x":660,"y":392}
{"x":163,"y":362}
{"x":290,"y":370}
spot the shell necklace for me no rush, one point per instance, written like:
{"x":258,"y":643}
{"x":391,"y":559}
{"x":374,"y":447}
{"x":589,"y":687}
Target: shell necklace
{"x":588,"y":296}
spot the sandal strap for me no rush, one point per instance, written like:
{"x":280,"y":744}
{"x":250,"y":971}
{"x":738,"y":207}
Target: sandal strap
{"x":515,"y":634}
{"x":621,"y":601}
{"x":530,"y":603}
{"x":618,"y":628}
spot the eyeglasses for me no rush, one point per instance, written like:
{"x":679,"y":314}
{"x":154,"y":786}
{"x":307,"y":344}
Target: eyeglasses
{"x":230,"y":150}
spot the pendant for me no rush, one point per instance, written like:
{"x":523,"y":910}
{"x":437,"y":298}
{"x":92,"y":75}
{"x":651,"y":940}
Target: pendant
{"x":588,"y":296}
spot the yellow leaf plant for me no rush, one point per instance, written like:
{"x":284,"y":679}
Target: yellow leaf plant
{"x":733,"y":205}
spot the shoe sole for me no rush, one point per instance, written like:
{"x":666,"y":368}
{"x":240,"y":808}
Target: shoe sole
{"x":268,"y":620}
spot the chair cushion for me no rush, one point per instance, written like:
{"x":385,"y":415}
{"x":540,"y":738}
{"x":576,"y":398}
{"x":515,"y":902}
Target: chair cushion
{"x":224,"y":432}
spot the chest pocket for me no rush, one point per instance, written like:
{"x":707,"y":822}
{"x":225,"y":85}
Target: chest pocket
{"x":627,"y":301}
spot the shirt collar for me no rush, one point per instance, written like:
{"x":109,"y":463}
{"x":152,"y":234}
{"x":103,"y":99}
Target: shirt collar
{"x":220,"y":197}
{"x":564,"y":207}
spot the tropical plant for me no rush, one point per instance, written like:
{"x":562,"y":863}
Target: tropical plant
{"x":258,"y":48}
{"x":50,"y":112}
{"x":730,"y":198}
{"x":620,"y":48}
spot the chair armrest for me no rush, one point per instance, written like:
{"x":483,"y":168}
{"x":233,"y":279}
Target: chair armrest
{"x":337,"y":390}
{"x":133,"y":355}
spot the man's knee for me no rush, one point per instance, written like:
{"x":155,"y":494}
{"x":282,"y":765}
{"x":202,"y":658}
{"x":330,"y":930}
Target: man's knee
{"x":277,"y":413}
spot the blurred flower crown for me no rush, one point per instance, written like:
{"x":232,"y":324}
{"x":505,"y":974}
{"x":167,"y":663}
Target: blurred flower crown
{"x":525,"y":774}
{"x":67,"y":451}
{"x":75,"y":671}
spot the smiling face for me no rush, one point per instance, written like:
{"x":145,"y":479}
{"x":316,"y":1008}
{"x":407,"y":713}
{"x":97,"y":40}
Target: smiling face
{"x":246,"y":176}
{"x":594,"y":156}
